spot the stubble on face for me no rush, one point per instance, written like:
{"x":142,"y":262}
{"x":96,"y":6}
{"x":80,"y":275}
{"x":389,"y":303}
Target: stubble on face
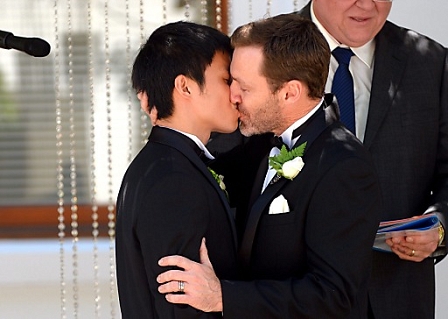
{"x":263,"y":119}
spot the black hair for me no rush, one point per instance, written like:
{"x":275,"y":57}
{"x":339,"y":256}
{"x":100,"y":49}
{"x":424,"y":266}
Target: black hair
{"x":173,"y":49}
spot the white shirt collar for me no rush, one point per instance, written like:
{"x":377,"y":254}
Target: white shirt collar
{"x":198,"y":142}
{"x":287,"y":135}
{"x":365,"y":53}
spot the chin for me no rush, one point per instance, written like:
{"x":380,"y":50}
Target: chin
{"x":227,"y":130}
{"x":246,"y":131}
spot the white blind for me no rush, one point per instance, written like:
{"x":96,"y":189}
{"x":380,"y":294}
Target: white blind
{"x":29,"y":87}
{"x":28,"y":152}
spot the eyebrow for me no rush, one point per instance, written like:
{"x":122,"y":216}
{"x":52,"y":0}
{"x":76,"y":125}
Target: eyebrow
{"x":236,"y":79}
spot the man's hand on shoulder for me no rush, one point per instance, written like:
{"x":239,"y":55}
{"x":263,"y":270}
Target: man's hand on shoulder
{"x":201,"y":287}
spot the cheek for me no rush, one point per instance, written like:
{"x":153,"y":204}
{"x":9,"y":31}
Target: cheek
{"x":223,"y":95}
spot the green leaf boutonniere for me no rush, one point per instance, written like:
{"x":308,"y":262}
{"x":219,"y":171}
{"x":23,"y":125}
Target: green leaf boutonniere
{"x":220,"y":180}
{"x":288,"y":163}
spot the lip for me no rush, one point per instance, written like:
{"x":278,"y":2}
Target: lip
{"x":360,"y":20}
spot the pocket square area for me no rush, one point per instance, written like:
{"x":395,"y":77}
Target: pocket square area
{"x":279,"y":206}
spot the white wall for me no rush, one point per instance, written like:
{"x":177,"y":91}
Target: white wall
{"x":30,"y":276}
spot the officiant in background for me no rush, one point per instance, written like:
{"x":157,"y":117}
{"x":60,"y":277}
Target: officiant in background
{"x":400,"y":112}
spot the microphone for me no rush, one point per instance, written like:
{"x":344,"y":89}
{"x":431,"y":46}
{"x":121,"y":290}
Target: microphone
{"x":32,"y":46}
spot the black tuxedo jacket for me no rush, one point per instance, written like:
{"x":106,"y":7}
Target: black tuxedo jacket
{"x":313,"y":262}
{"x":407,"y":136}
{"x":167,"y":202}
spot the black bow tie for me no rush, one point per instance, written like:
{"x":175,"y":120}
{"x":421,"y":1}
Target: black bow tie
{"x":277,"y":141}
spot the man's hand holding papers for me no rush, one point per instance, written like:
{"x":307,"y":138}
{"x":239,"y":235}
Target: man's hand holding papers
{"x":411,"y":238}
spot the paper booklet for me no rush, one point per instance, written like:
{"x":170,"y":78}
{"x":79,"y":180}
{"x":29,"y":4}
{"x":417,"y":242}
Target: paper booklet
{"x":401,"y":227}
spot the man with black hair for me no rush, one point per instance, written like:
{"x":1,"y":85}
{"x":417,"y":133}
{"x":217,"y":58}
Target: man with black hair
{"x":169,"y":200}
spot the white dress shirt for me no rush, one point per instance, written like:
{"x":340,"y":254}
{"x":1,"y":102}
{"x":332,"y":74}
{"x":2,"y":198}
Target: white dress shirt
{"x":288,"y":141}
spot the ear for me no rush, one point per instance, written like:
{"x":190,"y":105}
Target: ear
{"x":291,"y":91}
{"x":181,"y":83}
{"x":144,"y":103}
{"x":153,"y":114}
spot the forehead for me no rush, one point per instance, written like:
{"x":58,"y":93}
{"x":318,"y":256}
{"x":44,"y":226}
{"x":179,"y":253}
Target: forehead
{"x":220,"y":63}
{"x":246,"y":61}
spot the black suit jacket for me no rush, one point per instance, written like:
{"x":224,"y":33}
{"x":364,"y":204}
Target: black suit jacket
{"x":167,"y":202}
{"x":407,"y":136}
{"x":313,"y":262}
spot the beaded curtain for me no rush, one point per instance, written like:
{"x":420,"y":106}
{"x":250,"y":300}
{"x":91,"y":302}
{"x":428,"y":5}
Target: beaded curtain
{"x":93,"y":44}
{"x":134,"y":32}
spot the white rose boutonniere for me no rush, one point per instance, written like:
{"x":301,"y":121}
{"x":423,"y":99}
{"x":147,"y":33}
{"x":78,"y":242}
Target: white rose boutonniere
{"x":288,"y":164}
{"x":220,"y":180}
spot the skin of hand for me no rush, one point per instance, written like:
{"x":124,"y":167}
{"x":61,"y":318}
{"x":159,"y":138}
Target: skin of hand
{"x":422,"y":244}
{"x":202,"y":287}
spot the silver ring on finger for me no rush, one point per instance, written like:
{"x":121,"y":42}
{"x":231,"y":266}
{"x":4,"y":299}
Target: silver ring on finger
{"x":181,"y":286}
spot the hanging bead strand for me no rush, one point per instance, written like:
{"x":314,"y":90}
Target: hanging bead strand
{"x":250,"y":10}
{"x":94,"y":205}
{"x":73,"y":177}
{"x":268,"y":8}
{"x":187,"y":10}
{"x":60,"y":167}
{"x":218,"y":15}
{"x":143,"y":116}
{"x":204,"y":12}
{"x":229,"y":17}
{"x":296,"y":5}
{"x":164,"y":12}
{"x":110,"y":206}
{"x":128,"y":82}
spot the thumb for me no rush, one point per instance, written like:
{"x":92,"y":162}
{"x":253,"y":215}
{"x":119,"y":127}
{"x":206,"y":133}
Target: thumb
{"x":203,"y":254}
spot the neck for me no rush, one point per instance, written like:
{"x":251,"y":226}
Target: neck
{"x":296,"y":113}
{"x":185,"y":127}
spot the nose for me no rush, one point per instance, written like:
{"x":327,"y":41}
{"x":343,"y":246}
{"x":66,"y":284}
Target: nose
{"x":365,"y":4}
{"x":235,"y":96}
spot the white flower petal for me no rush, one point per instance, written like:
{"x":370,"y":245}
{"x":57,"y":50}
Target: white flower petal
{"x":293,"y":167}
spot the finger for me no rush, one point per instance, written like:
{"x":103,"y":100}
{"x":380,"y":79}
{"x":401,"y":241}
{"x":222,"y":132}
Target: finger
{"x":401,"y":254}
{"x":390,"y":242}
{"x":424,"y":239}
{"x":396,"y":239}
{"x":177,"y":261}
{"x":408,"y":254}
{"x":426,"y":248}
{"x":170,"y":287}
{"x":178,"y":298}
{"x":203,"y":254}
{"x":171,"y":275}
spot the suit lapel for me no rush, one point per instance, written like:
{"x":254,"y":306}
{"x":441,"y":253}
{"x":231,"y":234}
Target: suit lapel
{"x":305,"y":11}
{"x":314,"y":127}
{"x":390,"y":63}
{"x":259,"y":180}
{"x":319,"y":121}
{"x":254,"y":217}
{"x":177,"y":140}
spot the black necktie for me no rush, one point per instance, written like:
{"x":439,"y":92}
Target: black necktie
{"x":343,"y":87}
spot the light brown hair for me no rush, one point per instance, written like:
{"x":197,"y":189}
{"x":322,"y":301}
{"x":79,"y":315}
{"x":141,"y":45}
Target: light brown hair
{"x":293,"y":49}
